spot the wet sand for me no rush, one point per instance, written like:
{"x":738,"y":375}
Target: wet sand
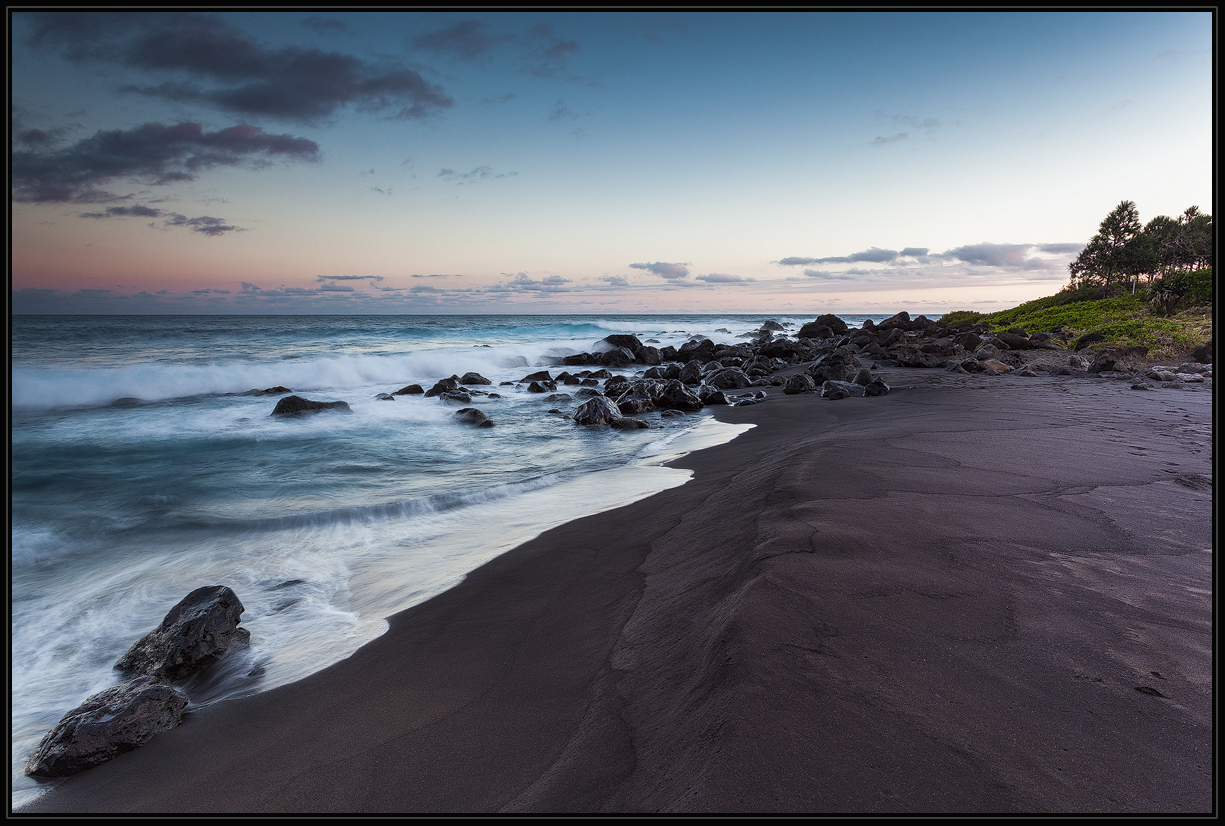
{"x":974,"y":594}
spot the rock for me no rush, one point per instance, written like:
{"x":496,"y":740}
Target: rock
{"x":817,"y":327}
{"x":542,"y":387}
{"x":676,"y":396}
{"x":106,"y":725}
{"x":539,"y":375}
{"x":617,"y":357}
{"x":711,"y":395}
{"x":1087,"y":339}
{"x":385,"y":397}
{"x":691,"y":373}
{"x":876,"y":387}
{"x":587,"y":392}
{"x":626,"y":423}
{"x":1203,"y":353}
{"x":999,"y":367}
{"x":770,"y":325}
{"x":296,"y":405}
{"x":558,"y":397}
{"x":1027,"y":372}
{"x":473,"y":378}
{"x":863,"y":376}
{"x":599,"y":410}
{"x":455,"y":397}
{"x":272,"y":391}
{"x":1121,"y":359}
{"x":629,"y":342}
{"x":410,"y":390}
{"x":442,"y":386}
{"x":840,"y":390}
{"x":1014,"y":341}
{"x":472,"y":416}
{"x":799,"y":383}
{"x":200,"y":628}
{"x":986,"y":352}
{"x":730,"y":378}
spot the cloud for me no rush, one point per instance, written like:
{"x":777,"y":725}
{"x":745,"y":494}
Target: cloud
{"x":480,"y":173}
{"x":722,"y":278}
{"x":881,"y":140}
{"x":208,"y":291}
{"x":562,"y":112}
{"x":248,"y":287}
{"x":242,"y":76}
{"x":829,"y":276}
{"x":325,"y":26}
{"x":664,"y":270}
{"x":349,"y":278}
{"x":434,"y":275}
{"x":547,"y":54}
{"x":874,"y":255}
{"x":914,"y":252}
{"x":151,"y":154}
{"x":1061,"y":248}
{"x":506,"y":98}
{"x":206,"y":224}
{"x":616,"y":280}
{"x":466,"y":40}
{"x":992,"y":255}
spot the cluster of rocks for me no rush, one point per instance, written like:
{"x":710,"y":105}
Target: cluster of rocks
{"x":836,"y":363}
{"x":196,"y":632}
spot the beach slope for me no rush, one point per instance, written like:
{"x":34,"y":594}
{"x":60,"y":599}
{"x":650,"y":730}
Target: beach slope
{"x":974,"y":594}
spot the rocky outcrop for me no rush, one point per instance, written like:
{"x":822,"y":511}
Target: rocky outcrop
{"x":1120,"y":359}
{"x":599,"y":410}
{"x":297,"y":406}
{"x":106,"y":725}
{"x":472,"y":416}
{"x":201,"y":628}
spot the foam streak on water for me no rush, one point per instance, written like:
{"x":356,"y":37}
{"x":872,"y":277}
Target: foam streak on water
{"x":141,"y":472}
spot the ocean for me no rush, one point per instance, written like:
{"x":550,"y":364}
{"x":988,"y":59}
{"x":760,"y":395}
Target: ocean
{"x":141,"y":470}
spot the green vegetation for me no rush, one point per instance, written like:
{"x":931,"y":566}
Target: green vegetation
{"x":1170,"y":316}
{"x":1123,"y":251}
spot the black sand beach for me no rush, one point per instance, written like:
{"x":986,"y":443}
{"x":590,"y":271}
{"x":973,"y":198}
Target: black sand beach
{"x":974,"y":594}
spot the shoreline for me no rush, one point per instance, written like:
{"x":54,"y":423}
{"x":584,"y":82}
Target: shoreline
{"x":935,"y":600}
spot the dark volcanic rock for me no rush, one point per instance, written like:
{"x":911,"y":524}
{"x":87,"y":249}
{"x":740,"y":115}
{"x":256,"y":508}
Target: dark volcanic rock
{"x":841,"y":389}
{"x":674,"y":395}
{"x":442,"y":386}
{"x":385,"y":397}
{"x":711,"y":395}
{"x":598,"y":410}
{"x":876,"y":387}
{"x":473,"y":378}
{"x":617,"y":357}
{"x":1121,"y":359}
{"x":813,"y":329}
{"x":410,"y":390}
{"x":296,"y":405}
{"x":272,"y":391}
{"x":626,"y":423}
{"x":472,"y":416}
{"x":542,"y":387}
{"x":455,"y":397}
{"x":1203,"y":353}
{"x":201,"y":628}
{"x":106,"y":725}
{"x":799,"y":383}
{"x":629,"y":342}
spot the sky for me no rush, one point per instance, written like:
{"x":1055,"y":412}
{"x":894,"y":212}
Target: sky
{"x":625,"y":162}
